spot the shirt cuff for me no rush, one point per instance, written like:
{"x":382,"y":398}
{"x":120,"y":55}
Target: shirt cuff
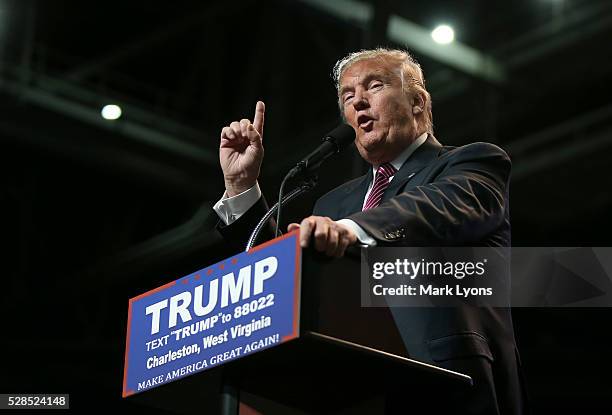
{"x":363,"y":237}
{"x":230,"y":209}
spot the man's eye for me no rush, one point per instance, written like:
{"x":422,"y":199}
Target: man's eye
{"x":376,"y":85}
{"x":348,"y":97}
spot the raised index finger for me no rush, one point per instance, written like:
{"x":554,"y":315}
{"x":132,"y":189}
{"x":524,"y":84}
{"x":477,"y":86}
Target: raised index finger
{"x":258,"y":120}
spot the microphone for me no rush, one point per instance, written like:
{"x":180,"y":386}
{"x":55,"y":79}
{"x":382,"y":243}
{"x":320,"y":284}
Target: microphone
{"x":333,"y":142}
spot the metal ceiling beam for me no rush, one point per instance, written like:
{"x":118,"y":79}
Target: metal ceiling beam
{"x":455,"y":54}
{"x":134,"y":47}
{"x":562,"y":40}
{"x":558,"y":144}
{"x":351,"y":10}
{"x":57,"y":96}
{"x":123,"y":127}
{"x":153,"y":39}
{"x":110,"y":157}
{"x":417,"y":38}
{"x":583,"y":21}
{"x":561,"y":155}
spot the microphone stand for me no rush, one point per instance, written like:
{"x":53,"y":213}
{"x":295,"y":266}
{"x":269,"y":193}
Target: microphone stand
{"x":308,"y":183}
{"x":333,"y":143}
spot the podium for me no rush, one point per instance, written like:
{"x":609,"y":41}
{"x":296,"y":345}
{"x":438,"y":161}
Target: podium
{"x":346,"y":359}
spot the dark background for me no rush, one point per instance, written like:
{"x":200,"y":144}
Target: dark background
{"x":96,"y":211}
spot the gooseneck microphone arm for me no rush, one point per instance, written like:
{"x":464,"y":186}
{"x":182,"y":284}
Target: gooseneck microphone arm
{"x":334,"y":142}
{"x":303,"y":188}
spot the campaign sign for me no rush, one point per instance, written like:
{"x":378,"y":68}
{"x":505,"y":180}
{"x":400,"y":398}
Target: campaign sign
{"x":237,"y":307}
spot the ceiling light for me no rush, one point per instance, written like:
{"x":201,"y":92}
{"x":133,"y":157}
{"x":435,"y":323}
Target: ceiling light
{"x":443,"y":34}
{"x":111,"y":112}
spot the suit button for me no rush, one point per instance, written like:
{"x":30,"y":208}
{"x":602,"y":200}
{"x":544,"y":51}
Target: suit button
{"x":391,"y":235}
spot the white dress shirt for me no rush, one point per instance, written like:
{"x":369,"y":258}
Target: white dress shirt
{"x":230,"y":209}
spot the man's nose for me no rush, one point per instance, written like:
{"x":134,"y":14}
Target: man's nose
{"x":360,"y":101}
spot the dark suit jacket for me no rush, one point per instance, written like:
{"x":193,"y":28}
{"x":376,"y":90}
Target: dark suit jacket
{"x":441,"y":196}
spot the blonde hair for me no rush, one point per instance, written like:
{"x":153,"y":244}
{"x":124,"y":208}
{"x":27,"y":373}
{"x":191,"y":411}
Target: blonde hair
{"x":411,"y":76}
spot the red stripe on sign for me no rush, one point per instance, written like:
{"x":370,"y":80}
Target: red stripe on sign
{"x":296,"y":283}
{"x":153,"y":291}
{"x":273,"y":241}
{"x":129,"y":325}
{"x":126,"y":392}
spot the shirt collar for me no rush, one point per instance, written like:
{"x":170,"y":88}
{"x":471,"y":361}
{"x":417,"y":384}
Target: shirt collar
{"x":399,"y":161}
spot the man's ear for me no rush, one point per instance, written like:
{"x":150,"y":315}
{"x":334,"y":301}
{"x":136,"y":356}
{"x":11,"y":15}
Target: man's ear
{"x":418,"y":103}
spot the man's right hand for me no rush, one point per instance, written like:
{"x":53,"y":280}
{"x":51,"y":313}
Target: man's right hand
{"x":241,"y":152}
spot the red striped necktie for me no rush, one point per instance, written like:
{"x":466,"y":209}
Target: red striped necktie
{"x":381,"y":182}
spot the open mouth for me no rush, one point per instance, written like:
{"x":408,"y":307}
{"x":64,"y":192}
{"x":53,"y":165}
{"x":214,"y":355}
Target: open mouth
{"x":365,"y":123}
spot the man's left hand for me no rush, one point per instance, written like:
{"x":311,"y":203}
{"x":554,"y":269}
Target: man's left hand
{"x":329,"y":236}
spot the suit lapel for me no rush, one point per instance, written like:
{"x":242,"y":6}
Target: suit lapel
{"x":424,"y":155}
{"x":355,"y":195}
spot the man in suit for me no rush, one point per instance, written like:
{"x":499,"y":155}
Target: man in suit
{"x":417,"y":193}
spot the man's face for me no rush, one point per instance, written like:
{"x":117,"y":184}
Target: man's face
{"x":375,"y":105}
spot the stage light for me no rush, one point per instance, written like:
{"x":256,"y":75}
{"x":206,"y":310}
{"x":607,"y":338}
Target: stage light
{"x":443,"y":34}
{"x":111,"y":112}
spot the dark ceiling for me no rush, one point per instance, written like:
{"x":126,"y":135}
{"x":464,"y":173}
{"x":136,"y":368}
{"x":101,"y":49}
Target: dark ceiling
{"x":126,"y":203}
{"x":181,"y":72}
